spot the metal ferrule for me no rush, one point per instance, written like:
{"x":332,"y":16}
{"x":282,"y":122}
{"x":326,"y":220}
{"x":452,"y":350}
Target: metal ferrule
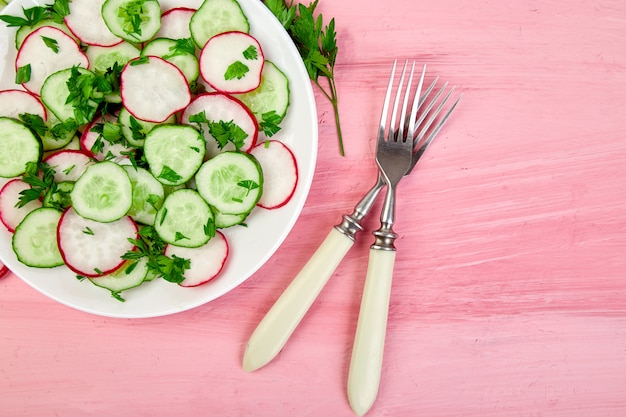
{"x":350,"y":226}
{"x":383,"y":240}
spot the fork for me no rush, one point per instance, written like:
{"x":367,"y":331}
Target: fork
{"x":394,"y":156}
{"x":274,"y":330}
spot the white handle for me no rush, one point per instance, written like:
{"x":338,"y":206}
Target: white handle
{"x":281,"y":320}
{"x":369,"y":341}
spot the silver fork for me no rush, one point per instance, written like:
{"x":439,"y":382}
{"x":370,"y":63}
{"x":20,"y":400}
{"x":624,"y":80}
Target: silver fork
{"x":394,"y":156}
{"x":274,"y":330}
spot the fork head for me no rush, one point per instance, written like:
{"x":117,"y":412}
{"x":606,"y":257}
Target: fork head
{"x":394,"y":150}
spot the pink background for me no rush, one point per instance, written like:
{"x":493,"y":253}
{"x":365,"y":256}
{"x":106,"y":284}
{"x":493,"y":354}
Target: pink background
{"x":509,"y":297}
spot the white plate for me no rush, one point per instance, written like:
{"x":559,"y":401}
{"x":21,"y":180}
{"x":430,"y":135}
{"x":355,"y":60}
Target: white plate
{"x":250,"y":247}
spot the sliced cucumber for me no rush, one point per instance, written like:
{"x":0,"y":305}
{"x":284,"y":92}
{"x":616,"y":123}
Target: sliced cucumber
{"x":174,"y":153}
{"x":129,"y":275}
{"x":18,"y":147}
{"x":35,"y":239}
{"x":55,"y":91}
{"x":24,"y":31}
{"x":271,"y":96}
{"x":171,"y":51}
{"x":185,"y":219}
{"x":148,"y":195}
{"x":217,"y":16}
{"x":232,"y":182}
{"x":102,"y":58}
{"x":103,"y":193}
{"x":132,"y":20}
{"x":222,"y":221}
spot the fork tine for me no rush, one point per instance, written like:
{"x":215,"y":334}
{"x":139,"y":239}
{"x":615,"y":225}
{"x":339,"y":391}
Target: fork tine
{"x":407,"y":93}
{"x":436,"y":129}
{"x":417,"y":101}
{"x":433,"y":116}
{"x":383,"y":116}
{"x":392,"y":126}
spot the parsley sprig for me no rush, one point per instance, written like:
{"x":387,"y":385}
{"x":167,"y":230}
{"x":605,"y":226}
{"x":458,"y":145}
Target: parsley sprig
{"x":149,"y":245}
{"x":33,"y":15}
{"x":317,"y":45}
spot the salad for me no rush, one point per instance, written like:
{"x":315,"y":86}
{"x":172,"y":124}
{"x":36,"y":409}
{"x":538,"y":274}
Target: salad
{"x":136,"y":137}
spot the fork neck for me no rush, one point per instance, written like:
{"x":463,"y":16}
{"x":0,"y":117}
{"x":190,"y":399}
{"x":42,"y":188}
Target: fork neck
{"x":385,"y":237}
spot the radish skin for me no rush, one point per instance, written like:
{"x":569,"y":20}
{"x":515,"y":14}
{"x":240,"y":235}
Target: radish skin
{"x":16,"y":102}
{"x":91,"y":248}
{"x":280,"y":173}
{"x":10,"y":215}
{"x":206,"y":261}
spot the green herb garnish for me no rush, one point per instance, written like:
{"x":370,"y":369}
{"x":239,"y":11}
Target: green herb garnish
{"x":317,"y":45}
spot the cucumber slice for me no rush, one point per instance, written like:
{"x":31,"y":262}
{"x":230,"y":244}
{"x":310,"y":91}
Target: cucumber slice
{"x":55,"y":91}
{"x":129,"y":275}
{"x":35,"y":239}
{"x":18,"y":147}
{"x":217,"y":16}
{"x":223,"y":221}
{"x":174,"y":153}
{"x":103,"y":193}
{"x":132,"y":20}
{"x":148,"y":195}
{"x":271,"y":96}
{"x":232,"y":182}
{"x":185,"y":219}
{"x":23,"y":32}
{"x":171,"y":51}
{"x":102,"y":58}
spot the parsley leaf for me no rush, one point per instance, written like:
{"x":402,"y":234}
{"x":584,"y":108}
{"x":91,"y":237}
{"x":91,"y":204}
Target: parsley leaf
{"x":317,"y":45}
{"x":40,"y":177}
{"x":250,"y":53}
{"x":183,"y":46}
{"x":149,"y":245}
{"x":236,"y":70}
{"x":225,"y":132}
{"x":22,"y":75}
{"x":53,"y":44}
{"x":270,"y":123}
{"x":169,"y":174}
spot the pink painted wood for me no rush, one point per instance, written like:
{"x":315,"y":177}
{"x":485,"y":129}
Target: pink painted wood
{"x":509,"y":297}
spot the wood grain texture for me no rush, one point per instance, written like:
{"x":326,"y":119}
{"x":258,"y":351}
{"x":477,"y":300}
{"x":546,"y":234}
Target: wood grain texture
{"x":509,"y":296}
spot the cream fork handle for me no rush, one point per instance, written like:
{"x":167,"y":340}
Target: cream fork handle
{"x":369,"y":341}
{"x":282,"y":319}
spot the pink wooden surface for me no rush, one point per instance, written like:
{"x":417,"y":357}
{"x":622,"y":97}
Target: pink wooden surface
{"x":509,"y":297}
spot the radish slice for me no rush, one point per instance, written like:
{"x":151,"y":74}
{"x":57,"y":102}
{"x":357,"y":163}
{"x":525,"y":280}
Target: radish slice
{"x":175,"y":23}
{"x":101,"y":149}
{"x":46,"y":51}
{"x":10,"y":215}
{"x":206,"y":261}
{"x":3,"y":270}
{"x":16,"y":102}
{"x":91,"y":248}
{"x":280,"y":173}
{"x":68,"y":165}
{"x":86,"y":23}
{"x":152,"y":89}
{"x":232,"y":62}
{"x":221,"y":107}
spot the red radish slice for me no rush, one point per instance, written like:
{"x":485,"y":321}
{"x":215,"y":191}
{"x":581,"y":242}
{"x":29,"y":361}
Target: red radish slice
{"x":280,"y":173}
{"x":206,"y":261}
{"x":101,"y":149}
{"x":86,"y":23}
{"x":16,"y":102}
{"x":91,"y":248}
{"x":3,"y":270}
{"x":175,"y":23}
{"x":232,"y":62}
{"x":46,"y":51}
{"x":68,"y":165}
{"x":10,"y":215}
{"x":222,"y":107}
{"x":152,"y":89}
